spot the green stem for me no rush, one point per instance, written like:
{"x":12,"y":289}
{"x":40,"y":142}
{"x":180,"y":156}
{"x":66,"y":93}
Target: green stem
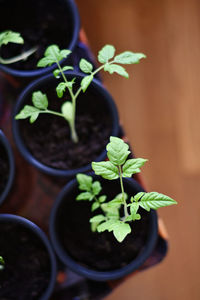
{"x":123,"y":195}
{"x":22,"y":56}
{"x":74,"y":135}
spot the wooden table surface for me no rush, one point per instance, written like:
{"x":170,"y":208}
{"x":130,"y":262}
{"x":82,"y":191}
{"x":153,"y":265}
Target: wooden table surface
{"x":160,"y":110}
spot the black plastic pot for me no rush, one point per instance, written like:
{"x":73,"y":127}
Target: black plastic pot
{"x":11,"y":23}
{"x":61,"y":210}
{"x":29,"y":227}
{"x":96,"y":88}
{"x":6,"y":148}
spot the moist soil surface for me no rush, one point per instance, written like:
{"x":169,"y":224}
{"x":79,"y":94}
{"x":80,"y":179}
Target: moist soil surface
{"x":26,"y":272}
{"x":99,"y":251}
{"x":48,"y":138}
{"x":4,"y":168}
{"x":40,"y":23}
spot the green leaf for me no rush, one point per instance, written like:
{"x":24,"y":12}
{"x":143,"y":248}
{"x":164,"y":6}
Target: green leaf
{"x":67,"y":68}
{"x":154,"y":200}
{"x":106,"y":53}
{"x":114,"y":203}
{"x":117,"y":151}
{"x":137,"y":197}
{"x":96,"y":188}
{"x":40,"y":100}
{"x":67,"y":111}
{"x":56,"y":73}
{"x":119,"y":197}
{"x":94,"y":223}
{"x":121,"y":230}
{"x":34,"y":117}
{"x":132,"y":166}
{"x":85,"y":196}
{"x":129,"y":57}
{"x":60,"y":89}
{"x":102,"y":198}
{"x":105,"y":169}
{"x":95,"y":205}
{"x":53,"y":55}
{"x":98,"y":218}
{"x":85,"y":182}
{"x":134,"y":209}
{"x":108,"y":225}
{"x":85,"y":66}
{"x":27,"y":112}
{"x":117,"y":69}
{"x":85,"y":82}
{"x":112,"y":212}
{"x":10,"y":37}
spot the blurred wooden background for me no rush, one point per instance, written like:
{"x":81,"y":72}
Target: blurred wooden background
{"x":160,"y":109}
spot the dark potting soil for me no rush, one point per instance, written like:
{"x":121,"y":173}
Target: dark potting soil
{"x":100,"y":251}
{"x":40,"y":23}
{"x":27,"y":267}
{"x":48,"y":138}
{"x":4,"y":168}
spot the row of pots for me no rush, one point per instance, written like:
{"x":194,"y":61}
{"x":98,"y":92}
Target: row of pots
{"x":32,"y":140}
{"x":66,"y":203}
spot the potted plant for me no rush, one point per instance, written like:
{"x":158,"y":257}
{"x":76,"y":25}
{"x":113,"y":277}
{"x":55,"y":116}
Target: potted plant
{"x":7,"y":167}
{"x":71,"y":131}
{"x":81,"y":230}
{"x":29,"y":266}
{"x":40,"y":23}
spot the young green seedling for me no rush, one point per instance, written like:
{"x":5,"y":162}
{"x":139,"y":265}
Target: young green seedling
{"x":117,"y":167}
{"x":53,"y":55}
{"x":14,"y":37}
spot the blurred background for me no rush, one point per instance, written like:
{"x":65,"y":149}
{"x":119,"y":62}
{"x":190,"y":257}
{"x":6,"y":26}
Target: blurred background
{"x":159,"y":108}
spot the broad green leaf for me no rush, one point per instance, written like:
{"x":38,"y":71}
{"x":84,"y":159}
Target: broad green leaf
{"x":67,"y":111}
{"x":132,"y":166}
{"x":85,"y":82}
{"x":85,"y":182}
{"x":53,"y":55}
{"x":10,"y":37}
{"x":98,"y":218}
{"x":26,"y":112}
{"x":106,"y":53}
{"x":60,"y":89}
{"x":117,"y":69}
{"x":85,"y":196}
{"x":85,"y":66}
{"x":40,"y":100}
{"x":121,"y":230}
{"x":96,"y":188}
{"x":129,"y":57}
{"x":108,"y":225}
{"x":117,"y":151}
{"x":134,"y":209}
{"x":102,"y":198}
{"x":95,"y":205}
{"x":105,"y":169}
{"x":137,"y":197}
{"x":154,"y":200}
